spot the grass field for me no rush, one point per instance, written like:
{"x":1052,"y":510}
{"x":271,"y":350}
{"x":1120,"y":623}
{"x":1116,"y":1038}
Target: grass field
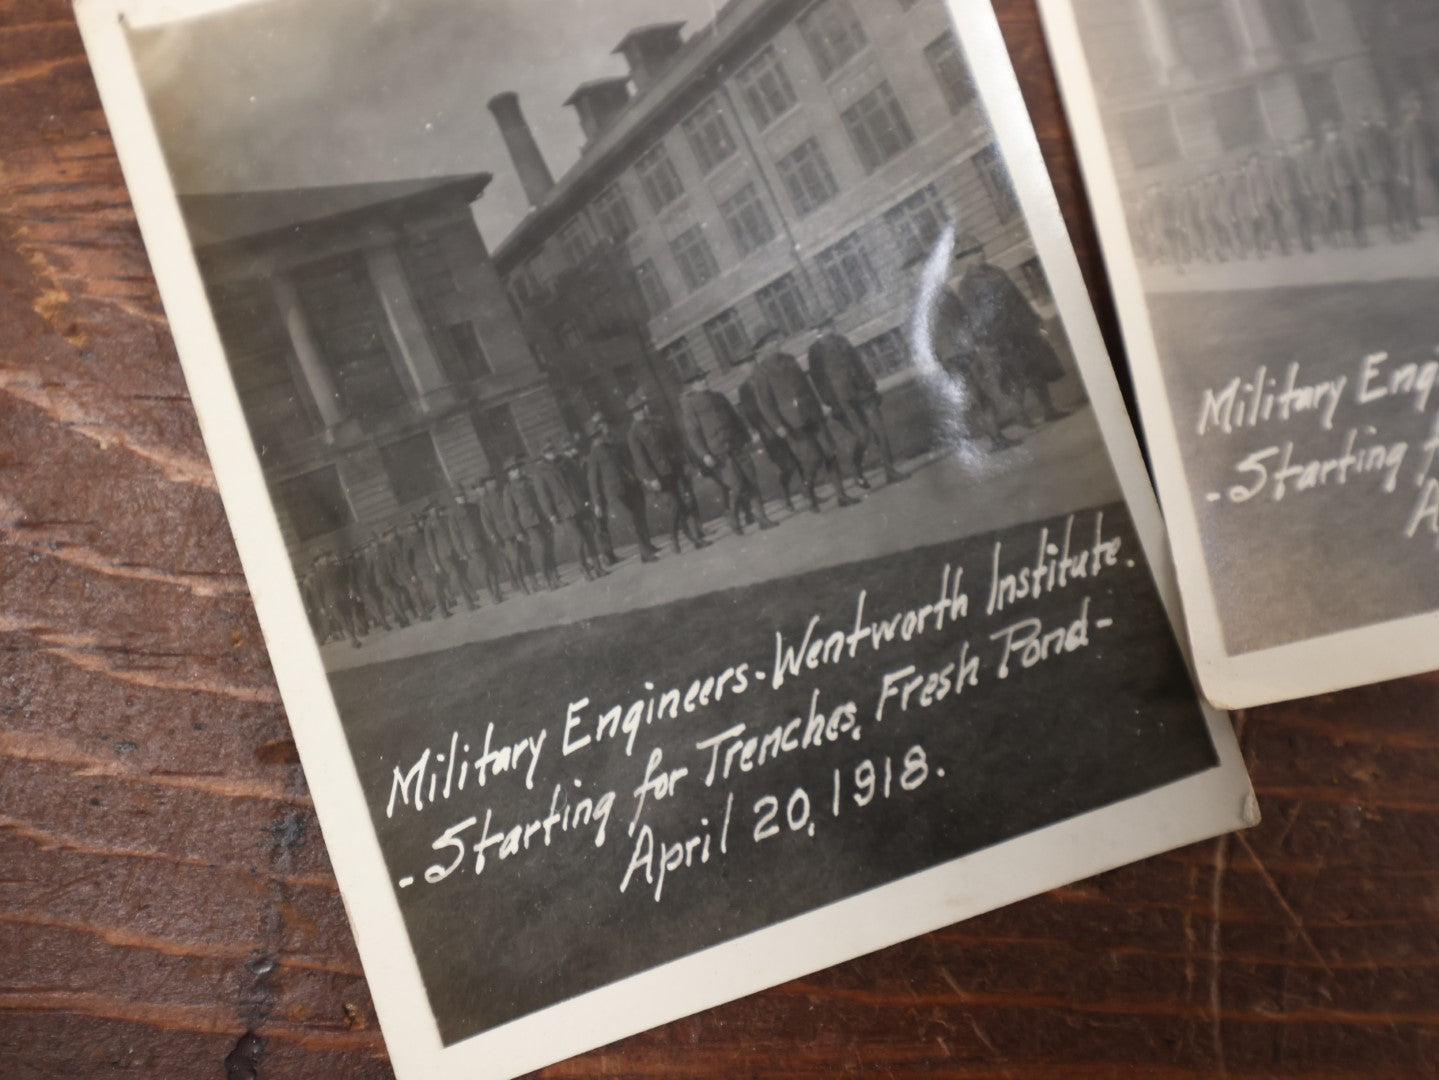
{"x":1079,"y":731}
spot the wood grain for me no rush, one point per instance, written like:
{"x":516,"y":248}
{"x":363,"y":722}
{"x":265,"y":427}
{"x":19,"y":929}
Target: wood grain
{"x":166,"y":907}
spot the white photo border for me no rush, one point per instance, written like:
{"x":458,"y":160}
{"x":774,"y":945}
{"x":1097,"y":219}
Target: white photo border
{"x":1199,"y":807}
{"x":1319,"y":665}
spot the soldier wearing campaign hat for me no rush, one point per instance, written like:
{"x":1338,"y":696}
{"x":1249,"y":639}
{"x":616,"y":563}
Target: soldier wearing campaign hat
{"x":793,"y":410}
{"x":718,"y":437}
{"x":492,"y":507}
{"x":846,"y":386}
{"x":660,"y":465}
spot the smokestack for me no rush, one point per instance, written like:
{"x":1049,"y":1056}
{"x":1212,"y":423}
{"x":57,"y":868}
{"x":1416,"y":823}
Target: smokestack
{"x":535,"y":175}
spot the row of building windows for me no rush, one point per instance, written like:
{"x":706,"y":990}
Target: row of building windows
{"x":876,"y":124}
{"x":846,"y":268}
{"x":1151,"y":138}
{"x":914,"y":223}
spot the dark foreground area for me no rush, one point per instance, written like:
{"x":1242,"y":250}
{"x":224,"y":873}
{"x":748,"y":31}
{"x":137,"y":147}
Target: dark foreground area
{"x":1079,"y":730}
{"x":1335,"y":557}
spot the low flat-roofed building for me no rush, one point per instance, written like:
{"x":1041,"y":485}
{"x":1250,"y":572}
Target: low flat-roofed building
{"x":376,"y":354}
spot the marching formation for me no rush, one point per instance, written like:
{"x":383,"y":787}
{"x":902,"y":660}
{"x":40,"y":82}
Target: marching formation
{"x":1298,"y":195}
{"x":498,"y":535}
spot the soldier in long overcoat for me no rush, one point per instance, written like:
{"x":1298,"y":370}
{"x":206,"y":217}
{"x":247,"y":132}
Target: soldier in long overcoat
{"x":987,"y":404}
{"x":788,"y":402}
{"x":775,"y":448}
{"x":564,"y":506}
{"x":480,"y":537}
{"x":613,"y":486}
{"x":1343,"y":185}
{"x":1410,"y":157}
{"x":336,"y":594}
{"x":719,"y":438}
{"x":659,"y":464}
{"x":529,"y":523}
{"x":849,"y":390}
{"x":492,"y":503}
{"x":446,"y":547}
{"x":1004,"y":324}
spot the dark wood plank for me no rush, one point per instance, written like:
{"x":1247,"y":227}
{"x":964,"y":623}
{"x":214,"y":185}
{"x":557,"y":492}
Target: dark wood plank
{"x":166,"y":907}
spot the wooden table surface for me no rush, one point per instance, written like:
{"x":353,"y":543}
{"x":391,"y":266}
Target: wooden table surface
{"x":166,"y":905}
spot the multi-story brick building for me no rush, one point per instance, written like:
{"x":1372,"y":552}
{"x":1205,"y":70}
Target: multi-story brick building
{"x":793,"y":159}
{"x":377,"y":357}
{"x":1187,"y":84}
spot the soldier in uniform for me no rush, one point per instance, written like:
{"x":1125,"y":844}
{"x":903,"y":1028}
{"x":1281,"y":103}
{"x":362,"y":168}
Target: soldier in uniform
{"x":528,"y":523}
{"x":788,"y":402}
{"x":987,"y":405}
{"x":428,"y":568}
{"x":659,"y":464}
{"x":719,"y":438}
{"x":1409,"y":158}
{"x":775,"y":448}
{"x":445,"y":545}
{"x":562,"y":504}
{"x":1217,"y":216}
{"x":573,"y":460}
{"x":1379,"y":163}
{"x":336,"y":595}
{"x":847,"y":388}
{"x":1007,"y":327}
{"x":1292,"y":185}
{"x":1343,"y":185}
{"x":513,"y":547}
{"x":612,"y":483}
{"x":481,"y":537}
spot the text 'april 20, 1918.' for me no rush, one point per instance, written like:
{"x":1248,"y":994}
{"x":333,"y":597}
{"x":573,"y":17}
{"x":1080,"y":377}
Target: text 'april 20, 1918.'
{"x":612,"y":763}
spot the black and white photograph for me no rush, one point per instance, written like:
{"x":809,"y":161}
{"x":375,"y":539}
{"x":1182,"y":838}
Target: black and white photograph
{"x":693,"y":518}
{"x":1266,"y":177}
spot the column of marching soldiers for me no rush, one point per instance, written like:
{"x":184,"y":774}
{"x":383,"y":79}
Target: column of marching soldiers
{"x":500,"y":531}
{"x":1297,"y":195}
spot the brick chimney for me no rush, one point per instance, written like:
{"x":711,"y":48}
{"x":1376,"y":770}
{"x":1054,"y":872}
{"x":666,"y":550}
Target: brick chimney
{"x":535,"y":175}
{"x":649,"y":50}
{"x":598,"y":102}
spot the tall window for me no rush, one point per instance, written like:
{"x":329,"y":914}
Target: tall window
{"x":315,"y":502}
{"x":832,"y":33}
{"x":413,"y":467}
{"x":575,"y":241}
{"x":783,"y":304}
{"x":1203,"y":35}
{"x":709,"y":135}
{"x":652,"y":288}
{"x":681,"y":359}
{"x":696,"y":260}
{"x":469,"y":351}
{"x":728,"y":337}
{"x":766,"y":88}
{"x":747,"y":219}
{"x":877,"y":126}
{"x":1238,"y":119}
{"x":848,"y":272}
{"x":995,"y":178}
{"x":658,"y":178}
{"x":1320,"y":97}
{"x":950,"y":71}
{"x":1149,"y":136}
{"x":612,"y":211}
{"x":885,"y":354}
{"x":1035,"y":283}
{"x":916,"y":223}
{"x":806,"y":177}
{"x":1290,"y":21}
{"x":499,"y":435}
